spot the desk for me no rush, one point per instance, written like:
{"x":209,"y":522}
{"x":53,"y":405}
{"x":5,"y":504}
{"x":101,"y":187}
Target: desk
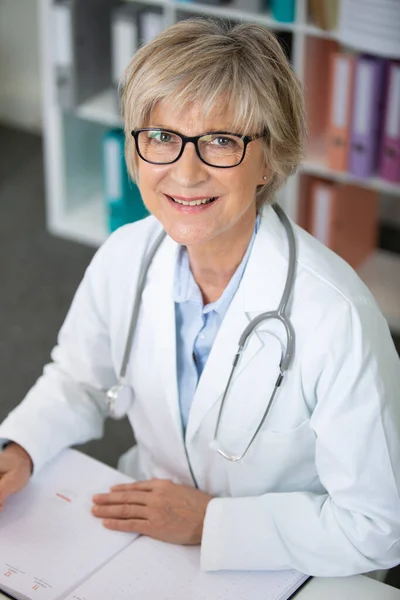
{"x":357,"y":587}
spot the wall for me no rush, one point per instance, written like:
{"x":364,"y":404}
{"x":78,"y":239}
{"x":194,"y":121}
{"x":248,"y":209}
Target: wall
{"x":20,"y":86}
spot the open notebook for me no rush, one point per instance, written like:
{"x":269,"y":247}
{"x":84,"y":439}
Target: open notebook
{"x":53,"y":548}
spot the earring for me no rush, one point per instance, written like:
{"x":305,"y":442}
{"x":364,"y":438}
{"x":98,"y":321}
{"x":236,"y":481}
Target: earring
{"x":265,"y":178}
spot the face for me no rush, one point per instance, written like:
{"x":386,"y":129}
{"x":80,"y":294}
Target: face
{"x":222,"y":221}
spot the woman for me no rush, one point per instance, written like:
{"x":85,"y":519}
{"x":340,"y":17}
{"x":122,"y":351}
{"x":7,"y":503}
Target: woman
{"x":214,"y":124}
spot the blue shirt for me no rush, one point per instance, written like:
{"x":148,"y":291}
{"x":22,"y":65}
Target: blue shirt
{"x":197,"y":325}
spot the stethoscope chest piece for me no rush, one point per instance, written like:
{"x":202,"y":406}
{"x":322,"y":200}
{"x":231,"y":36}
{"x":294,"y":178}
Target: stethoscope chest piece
{"x":119,"y":399}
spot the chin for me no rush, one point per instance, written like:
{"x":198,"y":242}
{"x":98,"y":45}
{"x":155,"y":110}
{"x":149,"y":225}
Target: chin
{"x":187,"y":235}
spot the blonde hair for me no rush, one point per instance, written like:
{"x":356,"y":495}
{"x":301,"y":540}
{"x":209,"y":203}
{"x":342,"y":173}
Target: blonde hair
{"x":206,"y":61}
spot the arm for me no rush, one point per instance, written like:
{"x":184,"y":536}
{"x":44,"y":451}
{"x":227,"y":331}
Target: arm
{"x":353,"y":370}
{"x":62,"y":408}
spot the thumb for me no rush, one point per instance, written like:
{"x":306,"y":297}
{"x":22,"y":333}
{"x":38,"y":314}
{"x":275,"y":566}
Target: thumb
{"x":8,"y":486}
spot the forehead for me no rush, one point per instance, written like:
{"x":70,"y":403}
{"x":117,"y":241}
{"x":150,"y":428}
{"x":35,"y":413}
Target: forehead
{"x":192,"y":118}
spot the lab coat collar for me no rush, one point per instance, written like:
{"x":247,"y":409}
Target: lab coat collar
{"x":266,"y":271}
{"x":158,"y":303}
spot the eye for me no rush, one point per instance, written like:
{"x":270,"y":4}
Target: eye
{"x":222,"y":141}
{"x":165,"y":137}
{"x":161,"y":136}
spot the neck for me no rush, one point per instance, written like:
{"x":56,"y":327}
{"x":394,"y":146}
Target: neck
{"x":213,"y":264}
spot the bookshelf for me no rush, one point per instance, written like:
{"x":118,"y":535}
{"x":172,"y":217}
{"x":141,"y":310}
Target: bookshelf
{"x":72,"y":139}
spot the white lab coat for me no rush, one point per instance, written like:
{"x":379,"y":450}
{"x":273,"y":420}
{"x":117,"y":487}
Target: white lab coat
{"x":319,"y":489}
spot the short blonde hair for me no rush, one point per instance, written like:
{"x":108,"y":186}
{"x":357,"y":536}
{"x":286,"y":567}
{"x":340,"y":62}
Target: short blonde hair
{"x":206,"y":61}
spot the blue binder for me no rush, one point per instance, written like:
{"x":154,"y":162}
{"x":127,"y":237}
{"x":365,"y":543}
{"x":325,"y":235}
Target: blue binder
{"x":283,"y":10}
{"x":122,"y":197}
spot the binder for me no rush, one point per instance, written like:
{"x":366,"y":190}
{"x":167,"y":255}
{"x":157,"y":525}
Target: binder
{"x":151,"y":23}
{"x":371,"y":26}
{"x":345,"y":218}
{"x":283,"y":10}
{"x":389,"y":167}
{"x":340,"y":104}
{"x":122,"y":198}
{"x":253,"y":7}
{"x":324,"y":13}
{"x":213,"y":2}
{"x":316,"y":80}
{"x":81,"y":49}
{"x":367,"y":115}
{"x":124,"y":39}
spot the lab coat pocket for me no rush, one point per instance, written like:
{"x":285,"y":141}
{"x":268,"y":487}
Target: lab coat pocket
{"x":276,"y":462}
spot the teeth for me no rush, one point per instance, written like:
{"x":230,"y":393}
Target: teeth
{"x":193,"y":203}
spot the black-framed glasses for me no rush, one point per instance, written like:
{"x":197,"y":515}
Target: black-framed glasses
{"x":221,"y":149}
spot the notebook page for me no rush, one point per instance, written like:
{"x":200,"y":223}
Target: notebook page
{"x":149,"y":569}
{"x":49,"y":540}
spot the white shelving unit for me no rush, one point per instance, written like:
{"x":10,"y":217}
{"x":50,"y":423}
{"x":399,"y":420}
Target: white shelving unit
{"x":73,"y":178}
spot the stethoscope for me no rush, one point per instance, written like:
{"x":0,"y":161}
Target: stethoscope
{"x":122,"y":394}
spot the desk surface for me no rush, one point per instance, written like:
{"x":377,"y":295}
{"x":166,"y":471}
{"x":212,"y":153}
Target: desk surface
{"x":357,"y":587}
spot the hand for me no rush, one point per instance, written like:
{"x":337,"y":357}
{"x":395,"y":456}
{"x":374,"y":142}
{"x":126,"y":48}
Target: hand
{"x":157,"y":508}
{"x":15,"y":470}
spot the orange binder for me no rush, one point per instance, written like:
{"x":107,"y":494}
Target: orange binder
{"x":324,"y":13}
{"x":341,"y":85}
{"x":345,"y":218}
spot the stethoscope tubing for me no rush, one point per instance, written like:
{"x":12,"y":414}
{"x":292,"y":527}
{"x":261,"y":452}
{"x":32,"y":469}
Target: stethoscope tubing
{"x":279,"y":314}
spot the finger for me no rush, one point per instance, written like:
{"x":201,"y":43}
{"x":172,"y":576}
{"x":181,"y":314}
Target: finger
{"x":3,"y":490}
{"x":9,"y":484}
{"x":141,"y":526}
{"x":128,"y":497}
{"x":146,"y":486}
{"x":121,"y":511}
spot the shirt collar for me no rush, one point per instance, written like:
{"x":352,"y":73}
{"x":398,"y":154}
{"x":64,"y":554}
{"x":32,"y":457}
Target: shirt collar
{"x":186,"y":288}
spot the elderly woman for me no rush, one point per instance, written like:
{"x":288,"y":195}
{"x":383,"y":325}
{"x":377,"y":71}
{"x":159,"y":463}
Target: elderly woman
{"x":293,"y":459}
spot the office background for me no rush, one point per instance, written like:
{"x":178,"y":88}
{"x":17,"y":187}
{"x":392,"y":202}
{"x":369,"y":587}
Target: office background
{"x":39,"y":272}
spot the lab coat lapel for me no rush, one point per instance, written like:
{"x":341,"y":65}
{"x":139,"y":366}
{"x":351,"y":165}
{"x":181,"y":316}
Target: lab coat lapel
{"x":260,"y":291}
{"x":158,"y":300}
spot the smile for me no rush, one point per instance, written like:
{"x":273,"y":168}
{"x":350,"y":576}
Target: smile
{"x":194,"y":202}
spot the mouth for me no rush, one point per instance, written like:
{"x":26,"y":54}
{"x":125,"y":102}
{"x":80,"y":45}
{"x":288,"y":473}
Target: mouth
{"x":192,"y":202}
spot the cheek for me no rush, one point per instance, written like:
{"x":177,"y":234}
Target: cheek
{"x":243,"y":185}
{"x":148,"y":182}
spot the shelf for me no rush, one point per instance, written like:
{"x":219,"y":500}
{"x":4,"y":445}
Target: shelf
{"x":160,"y":3}
{"x":236,"y":15}
{"x":313,"y":30}
{"x":102,"y":108}
{"x":317,"y":169}
{"x":85,"y":224}
{"x":381,"y":273}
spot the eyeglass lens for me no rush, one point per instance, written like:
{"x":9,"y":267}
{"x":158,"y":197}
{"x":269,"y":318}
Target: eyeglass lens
{"x":163,"y":147}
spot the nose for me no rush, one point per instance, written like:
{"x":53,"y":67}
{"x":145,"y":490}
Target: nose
{"x":189,"y":170}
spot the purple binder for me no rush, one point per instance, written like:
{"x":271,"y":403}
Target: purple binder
{"x":369,"y":85}
{"x":389,"y":166}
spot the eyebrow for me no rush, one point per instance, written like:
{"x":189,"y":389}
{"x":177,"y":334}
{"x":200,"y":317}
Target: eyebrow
{"x":215,"y":130}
